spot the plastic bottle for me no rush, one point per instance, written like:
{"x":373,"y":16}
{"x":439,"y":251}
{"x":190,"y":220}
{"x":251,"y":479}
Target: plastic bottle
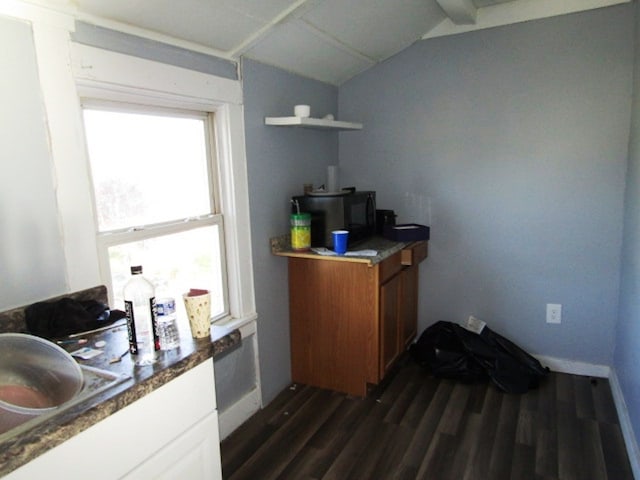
{"x":140,"y":307}
{"x":167,"y":323}
{"x":300,"y":232}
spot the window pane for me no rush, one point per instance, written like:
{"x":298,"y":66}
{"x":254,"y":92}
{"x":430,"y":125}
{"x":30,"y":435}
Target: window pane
{"x":174,"y":264}
{"x":146,"y":168}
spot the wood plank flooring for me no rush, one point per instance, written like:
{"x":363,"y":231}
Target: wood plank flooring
{"x":415,"y":426}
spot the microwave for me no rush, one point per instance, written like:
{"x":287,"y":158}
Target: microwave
{"x":352,"y":211}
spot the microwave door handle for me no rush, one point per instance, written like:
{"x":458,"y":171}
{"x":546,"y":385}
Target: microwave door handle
{"x":371,"y":211}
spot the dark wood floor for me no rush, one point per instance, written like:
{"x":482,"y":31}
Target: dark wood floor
{"x":416,"y":426}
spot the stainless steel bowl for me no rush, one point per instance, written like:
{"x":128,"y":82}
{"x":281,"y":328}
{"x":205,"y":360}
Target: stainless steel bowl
{"x":36,"y":375}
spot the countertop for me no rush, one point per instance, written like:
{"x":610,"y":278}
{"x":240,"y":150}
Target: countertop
{"x":25,"y":446}
{"x":281,"y":246}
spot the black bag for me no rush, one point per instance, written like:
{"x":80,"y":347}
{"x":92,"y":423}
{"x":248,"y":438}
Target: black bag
{"x":451,"y":351}
{"x":67,"y":316}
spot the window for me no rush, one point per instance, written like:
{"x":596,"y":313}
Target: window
{"x":100,"y":240}
{"x":154,"y":175}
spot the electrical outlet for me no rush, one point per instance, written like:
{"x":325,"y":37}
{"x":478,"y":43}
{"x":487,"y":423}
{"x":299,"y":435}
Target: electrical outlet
{"x":554,"y":313}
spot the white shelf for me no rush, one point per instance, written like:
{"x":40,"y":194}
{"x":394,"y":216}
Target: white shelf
{"x":308,"y":122}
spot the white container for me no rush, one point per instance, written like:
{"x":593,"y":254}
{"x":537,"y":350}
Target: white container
{"x":332,"y":178}
{"x":140,"y":307}
{"x":167,"y":323}
{"x":198,"y":309}
{"x":302,"y":111}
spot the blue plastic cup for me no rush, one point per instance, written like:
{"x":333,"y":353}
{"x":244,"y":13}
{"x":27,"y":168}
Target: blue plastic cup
{"x":340,"y":239}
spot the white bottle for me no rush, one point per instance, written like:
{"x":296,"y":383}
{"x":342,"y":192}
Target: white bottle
{"x":167,"y":323}
{"x":140,"y":307}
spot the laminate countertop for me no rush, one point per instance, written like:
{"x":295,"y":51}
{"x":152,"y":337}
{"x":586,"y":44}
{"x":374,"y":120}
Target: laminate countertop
{"x":384,"y":247}
{"x":19,"y":448}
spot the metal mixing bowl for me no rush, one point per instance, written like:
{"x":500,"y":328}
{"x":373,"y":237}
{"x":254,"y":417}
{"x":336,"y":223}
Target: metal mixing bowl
{"x":36,"y":375}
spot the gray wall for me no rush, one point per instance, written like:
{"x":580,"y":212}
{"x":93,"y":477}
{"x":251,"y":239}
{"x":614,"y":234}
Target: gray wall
{"x":151,"y":50}
{"x":279,"y":161}
{"x":31,"y":253}
{"x":627,"y":353}
{"x":235,"y":374}
{"x":512,"y":143}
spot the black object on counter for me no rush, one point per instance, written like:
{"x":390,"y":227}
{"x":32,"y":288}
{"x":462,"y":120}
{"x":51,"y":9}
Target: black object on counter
{"x":408,"y":232}
{"x":67,"y":316}
{"x":451,"y":351}
{"x":384,"y":217}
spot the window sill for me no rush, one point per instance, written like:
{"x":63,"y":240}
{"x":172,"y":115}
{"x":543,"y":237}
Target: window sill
{"x":246,"y":325}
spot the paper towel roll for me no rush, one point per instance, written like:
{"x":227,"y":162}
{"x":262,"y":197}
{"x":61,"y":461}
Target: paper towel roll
{"x":332,"y":178}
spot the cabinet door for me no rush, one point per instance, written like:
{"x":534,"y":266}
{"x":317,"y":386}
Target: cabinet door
{"x":333,"y":318}
{"x":194,"y":455}
{"x":409,"y":306}
{"x":389,"y":323}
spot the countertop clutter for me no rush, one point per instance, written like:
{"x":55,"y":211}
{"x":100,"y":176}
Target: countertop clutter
{"x":22,"y":447}
{"x":385,"y":248}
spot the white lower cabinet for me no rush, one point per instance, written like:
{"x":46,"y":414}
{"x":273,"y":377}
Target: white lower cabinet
{"x":194,"y":455}
{"x":171,"y":433}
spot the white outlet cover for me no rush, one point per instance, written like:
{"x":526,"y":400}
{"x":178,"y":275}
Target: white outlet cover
{"x":554,"y":313}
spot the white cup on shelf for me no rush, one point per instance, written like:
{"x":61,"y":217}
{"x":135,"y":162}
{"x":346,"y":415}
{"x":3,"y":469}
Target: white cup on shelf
{"x":302,"y":111}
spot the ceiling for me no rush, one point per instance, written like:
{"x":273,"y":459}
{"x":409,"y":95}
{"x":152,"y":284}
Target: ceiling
{"x":327,"y":40}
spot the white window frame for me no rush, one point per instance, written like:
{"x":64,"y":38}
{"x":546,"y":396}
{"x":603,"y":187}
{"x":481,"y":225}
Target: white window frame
{"x":133,"y":233}
{"x":115,"y":77}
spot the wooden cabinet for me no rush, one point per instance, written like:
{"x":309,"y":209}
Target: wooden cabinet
{"x":390,"y":302}
{"x":351,"y":320}
{"x":408,"y":310}
{"x":398,"y":315}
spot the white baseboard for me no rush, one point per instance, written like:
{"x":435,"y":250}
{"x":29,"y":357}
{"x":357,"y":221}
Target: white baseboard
{"x":238,"y":413}
{"x":625,"y":424}
{"x":603,"y":371}
{"x":563,"y":365}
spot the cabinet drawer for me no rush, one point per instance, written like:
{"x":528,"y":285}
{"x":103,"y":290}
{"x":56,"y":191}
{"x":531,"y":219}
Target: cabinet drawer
{"x":390,"y":267}
{"x":414,"y":253}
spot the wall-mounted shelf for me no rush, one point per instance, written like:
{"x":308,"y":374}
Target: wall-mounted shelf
{"x":308,"y":122}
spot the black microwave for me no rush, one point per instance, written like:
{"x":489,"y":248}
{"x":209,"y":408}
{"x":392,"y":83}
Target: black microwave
{"x":352,"y":211}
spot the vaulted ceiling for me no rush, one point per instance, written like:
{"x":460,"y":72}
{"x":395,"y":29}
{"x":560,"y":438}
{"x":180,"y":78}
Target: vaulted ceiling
{"x":327,"y":40}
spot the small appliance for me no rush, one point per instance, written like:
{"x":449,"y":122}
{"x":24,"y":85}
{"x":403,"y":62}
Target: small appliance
{"x":354,"y":211}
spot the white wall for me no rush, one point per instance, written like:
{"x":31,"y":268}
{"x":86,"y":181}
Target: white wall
{"x":31,"y":254}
